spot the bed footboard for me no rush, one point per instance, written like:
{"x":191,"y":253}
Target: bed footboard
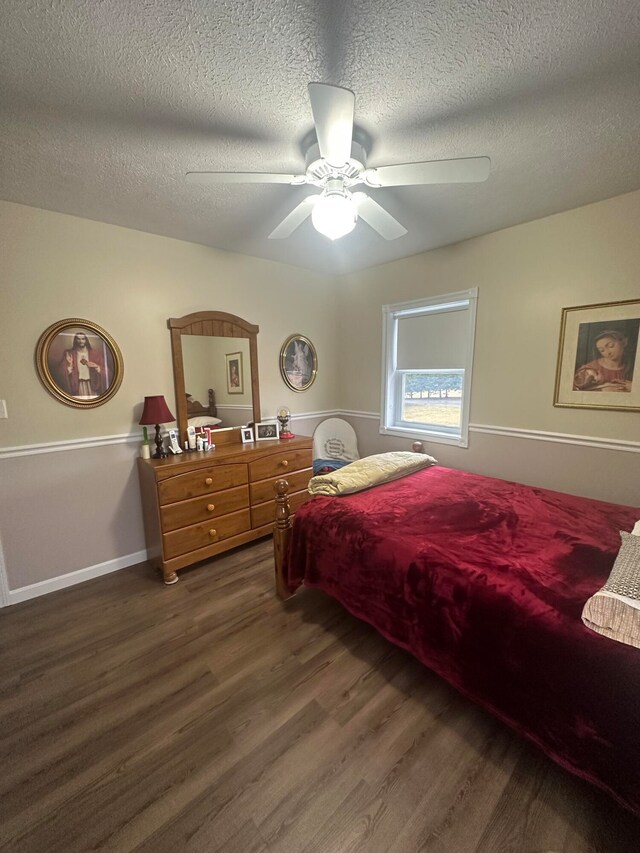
{"x":281,"y":537}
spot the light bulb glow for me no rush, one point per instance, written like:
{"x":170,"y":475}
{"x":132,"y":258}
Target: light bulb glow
{"x":334,"y":215}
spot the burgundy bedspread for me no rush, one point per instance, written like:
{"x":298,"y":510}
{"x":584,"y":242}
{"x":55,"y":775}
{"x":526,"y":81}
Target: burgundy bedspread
{"x":484,"y":581}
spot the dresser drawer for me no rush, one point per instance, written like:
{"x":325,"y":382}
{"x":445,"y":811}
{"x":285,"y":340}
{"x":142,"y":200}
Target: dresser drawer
{"x":195,"y":510}
{"x":202,"y":482}
{"x":264,"y":491}
{"x":278,"y":464}
{"x":266,"y":513}
{"x":207,"y":533}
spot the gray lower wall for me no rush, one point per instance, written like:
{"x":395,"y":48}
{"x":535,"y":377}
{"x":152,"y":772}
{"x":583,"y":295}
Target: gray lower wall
{"x":593,"y":472}
{"x":73,"y":510}
{"x":68,"y":511}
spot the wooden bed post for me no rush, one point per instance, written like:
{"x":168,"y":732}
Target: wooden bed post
{"x":281,"y":536}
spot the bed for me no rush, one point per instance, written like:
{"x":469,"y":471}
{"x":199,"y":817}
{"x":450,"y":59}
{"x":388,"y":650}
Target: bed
{"x":202,"y":417}
{"x":484,"y":581}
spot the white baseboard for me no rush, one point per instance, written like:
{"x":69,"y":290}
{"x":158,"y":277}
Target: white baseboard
{"x":34,"y":590}
{"x":4,"y":583}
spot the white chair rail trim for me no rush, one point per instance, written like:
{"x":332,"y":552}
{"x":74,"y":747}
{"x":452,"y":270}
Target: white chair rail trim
{"x":511,"y":432}
{"x":533,"y":434}
{"x":559,"y":437}
{"x":72,"y":444}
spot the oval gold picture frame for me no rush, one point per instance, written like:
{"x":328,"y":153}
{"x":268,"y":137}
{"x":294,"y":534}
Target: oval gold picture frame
{"x":79,"y":363}
{"x":298,"y":362}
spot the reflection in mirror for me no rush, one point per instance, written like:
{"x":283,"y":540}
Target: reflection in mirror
{"x":215,"y":358}
{"x":224,"y":365}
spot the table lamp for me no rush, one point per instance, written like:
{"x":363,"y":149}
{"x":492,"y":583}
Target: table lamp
{"x":156,"y":412}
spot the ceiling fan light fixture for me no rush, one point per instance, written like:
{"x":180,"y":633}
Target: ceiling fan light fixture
{"x":334,"y":215}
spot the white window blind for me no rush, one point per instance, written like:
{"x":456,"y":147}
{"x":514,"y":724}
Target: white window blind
{"x":428,"y":350}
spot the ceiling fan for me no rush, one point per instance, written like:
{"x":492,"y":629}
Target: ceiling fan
{"x":337,"y":164}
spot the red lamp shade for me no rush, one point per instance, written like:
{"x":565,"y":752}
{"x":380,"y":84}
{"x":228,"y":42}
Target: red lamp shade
{"x":156,"y":411}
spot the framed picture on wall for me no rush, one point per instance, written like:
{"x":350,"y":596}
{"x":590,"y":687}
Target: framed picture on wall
{"x":298,"y":362}
{"x":599,"y":358}
{"x":79,"y":363}
{"x":235,"y":377}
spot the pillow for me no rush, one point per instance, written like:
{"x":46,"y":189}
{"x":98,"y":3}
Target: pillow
{"x":370,"y":471}
{"x":614,"y":611}
{"x":625,"y":574}
{"x":203,"y":420}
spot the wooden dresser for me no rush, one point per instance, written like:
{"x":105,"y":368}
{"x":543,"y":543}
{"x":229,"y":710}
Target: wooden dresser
{"x":197,"y":505}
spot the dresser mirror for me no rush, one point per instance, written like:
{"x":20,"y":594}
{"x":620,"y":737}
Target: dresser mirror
{"x":215,"y":369}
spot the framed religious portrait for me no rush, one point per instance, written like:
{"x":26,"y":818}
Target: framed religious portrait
{"x":598,"y":358}
{"x":298,"y":362}
{"x":79,"y":363}
{"x":235,"y":377}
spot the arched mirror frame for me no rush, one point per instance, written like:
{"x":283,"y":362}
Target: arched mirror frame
{"x":211,"y":324}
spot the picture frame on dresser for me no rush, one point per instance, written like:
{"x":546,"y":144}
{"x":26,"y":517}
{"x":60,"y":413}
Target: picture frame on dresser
{"x":246,"y":433}
{"x":267,"y":430}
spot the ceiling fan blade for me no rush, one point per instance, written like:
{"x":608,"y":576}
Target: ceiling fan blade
{"x":207,"y":178}
{"x":377,"y":217}
{"x":294,"y":219}
{"x":465,"y":170}
{"x":333,"y":108}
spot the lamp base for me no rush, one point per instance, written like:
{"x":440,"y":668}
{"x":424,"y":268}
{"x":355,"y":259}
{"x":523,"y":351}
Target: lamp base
{"x":160,"y":451}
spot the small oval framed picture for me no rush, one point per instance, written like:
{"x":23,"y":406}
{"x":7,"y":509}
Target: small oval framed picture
{"x":79,"y":363}
{"x":298,"y":362}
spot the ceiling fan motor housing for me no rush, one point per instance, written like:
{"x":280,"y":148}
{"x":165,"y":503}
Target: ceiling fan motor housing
{"x":319,"y":170}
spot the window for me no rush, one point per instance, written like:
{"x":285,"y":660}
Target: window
{"x":428,"y":354}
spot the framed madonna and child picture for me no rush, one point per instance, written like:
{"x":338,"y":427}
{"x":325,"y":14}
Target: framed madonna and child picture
{"x":598,"y":358}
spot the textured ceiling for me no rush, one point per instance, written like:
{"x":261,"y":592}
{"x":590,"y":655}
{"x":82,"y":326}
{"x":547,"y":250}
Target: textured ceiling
{"x":106,"y":104}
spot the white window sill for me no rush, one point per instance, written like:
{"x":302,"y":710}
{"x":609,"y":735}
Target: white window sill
{"x":425,"y":435}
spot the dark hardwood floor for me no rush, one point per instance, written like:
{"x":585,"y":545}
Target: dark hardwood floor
{"x":208,"y":716}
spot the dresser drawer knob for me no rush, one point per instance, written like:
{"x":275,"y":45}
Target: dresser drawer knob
{"x":208,"y":481}
{"x":213,"y":533}
{"x":211,"y":507}
{"x":284,"y":463}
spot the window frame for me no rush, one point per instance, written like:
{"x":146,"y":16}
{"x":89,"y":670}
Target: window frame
{"x":392,"y":378}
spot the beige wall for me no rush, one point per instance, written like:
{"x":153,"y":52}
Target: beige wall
{"x":525,"y":276}
{"x":64,"y":511}
{"x":54,"y":266}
